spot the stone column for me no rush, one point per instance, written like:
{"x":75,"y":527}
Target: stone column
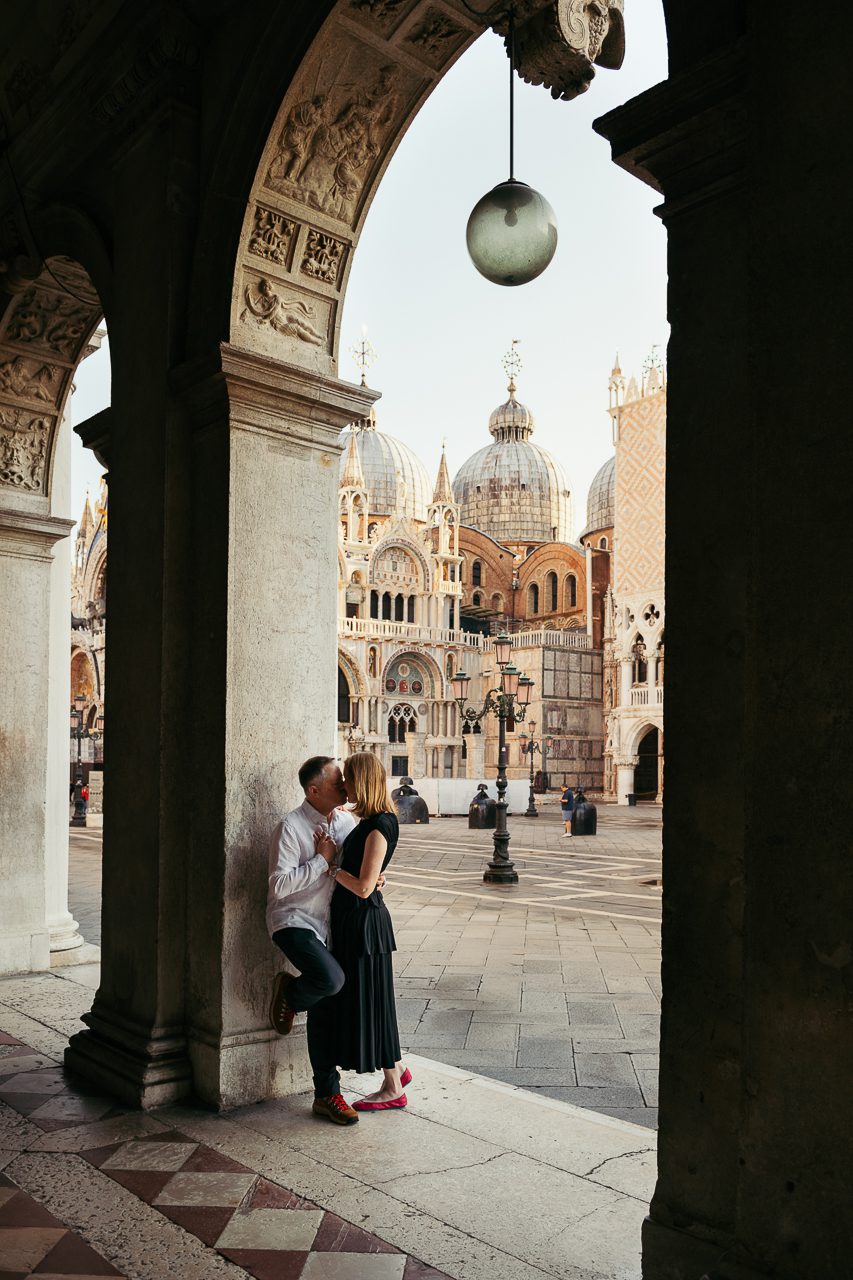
{"x":626,"y":669}
{"x":62,"y":927}
{"x":625,"y":777}
{"x":28,"y":764}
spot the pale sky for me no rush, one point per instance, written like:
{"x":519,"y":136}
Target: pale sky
{"x":440,"y":329}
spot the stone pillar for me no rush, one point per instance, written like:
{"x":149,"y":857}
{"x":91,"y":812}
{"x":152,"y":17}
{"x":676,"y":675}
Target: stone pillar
{"x":626,"y":669}
{"x":28,"y":764}
{"x":625,"y":778}
{"x":62,"y":927}
{"x":756,"y":1111}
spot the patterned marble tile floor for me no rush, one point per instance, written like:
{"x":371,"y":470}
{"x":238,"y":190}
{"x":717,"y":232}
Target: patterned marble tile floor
{"x":476,"y":1179}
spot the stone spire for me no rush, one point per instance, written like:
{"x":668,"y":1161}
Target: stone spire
{"x":443,"y":489}
{"x":86,"y":521}
{"x":353,"y":476}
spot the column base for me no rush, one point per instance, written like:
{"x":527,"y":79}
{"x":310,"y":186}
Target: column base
{"x":669,"y":1254}
{"x":27,"y":952}
{"x":143,"y":1070}
{"x":63,"y":933}
{"x":232,"y":1071}
{"x":500,"y":875}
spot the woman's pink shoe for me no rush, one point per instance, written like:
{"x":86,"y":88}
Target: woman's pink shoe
{"x":405,"y":1078}
{"x":395,"y":1104}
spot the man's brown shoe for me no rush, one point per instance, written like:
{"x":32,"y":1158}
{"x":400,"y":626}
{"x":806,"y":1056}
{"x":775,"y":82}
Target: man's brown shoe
{"x":335,"y":1109}
{"x":281,"y":1014}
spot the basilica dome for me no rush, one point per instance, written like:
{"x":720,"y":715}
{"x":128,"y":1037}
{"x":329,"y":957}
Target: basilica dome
{"x":600,"y":504}
{"x":513,"y":490}
{"x":394,"y":477}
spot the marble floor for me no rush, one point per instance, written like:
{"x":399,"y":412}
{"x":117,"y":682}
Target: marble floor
{"x":476,"y":1179}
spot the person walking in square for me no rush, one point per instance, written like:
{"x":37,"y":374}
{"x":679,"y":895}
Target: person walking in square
{"x":301,"y":881}
{"x":567,"y":804}
{"x":364,"y":1013}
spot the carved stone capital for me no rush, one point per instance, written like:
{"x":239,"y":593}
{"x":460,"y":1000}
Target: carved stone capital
{"x":29,"y":536}
{"x":559,"y":44}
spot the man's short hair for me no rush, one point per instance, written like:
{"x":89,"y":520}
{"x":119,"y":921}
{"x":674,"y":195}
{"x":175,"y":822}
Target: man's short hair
{"x":312,"y":769}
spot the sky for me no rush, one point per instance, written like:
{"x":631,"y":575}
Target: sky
{"x":439,"y":329}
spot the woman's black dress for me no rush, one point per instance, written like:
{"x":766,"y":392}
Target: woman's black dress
{"x":362,"y":943}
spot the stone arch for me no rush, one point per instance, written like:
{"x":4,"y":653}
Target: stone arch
{"x":357,"y":680}
{"x":48,"y":314}
{"x":426,"y":663}
{"x":637,"y":733}
{"x":84,"y":675}
{"x":411,"y":548}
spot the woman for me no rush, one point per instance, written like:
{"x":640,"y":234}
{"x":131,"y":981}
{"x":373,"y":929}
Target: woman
{"x":567,"y":804}
{"x":363,"y":938}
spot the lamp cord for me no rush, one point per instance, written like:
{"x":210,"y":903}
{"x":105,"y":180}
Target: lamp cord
{"x":512,"y":93}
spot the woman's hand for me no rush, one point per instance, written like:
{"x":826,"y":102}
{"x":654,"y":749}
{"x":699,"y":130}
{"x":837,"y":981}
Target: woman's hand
{"x":325,"y":845}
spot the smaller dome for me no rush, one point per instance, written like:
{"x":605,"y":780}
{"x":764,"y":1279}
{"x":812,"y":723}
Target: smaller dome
{"x":601,"y":502}
{"x":511,"y":420}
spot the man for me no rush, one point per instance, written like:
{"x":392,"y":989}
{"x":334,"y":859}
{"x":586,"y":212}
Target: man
{"x":301,"y":882}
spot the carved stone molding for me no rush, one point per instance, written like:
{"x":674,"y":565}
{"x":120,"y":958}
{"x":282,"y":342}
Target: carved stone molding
{"x":25,"y":379}
{"x":322,"y":257}
{"x":284,"y":312}
{"x":558,"y":45}
{"x":271,"y":236}
{"x":50,"y":321}
{"x":31,"y":537}
{"x":435,"y":37}
{"x":25,"y":440}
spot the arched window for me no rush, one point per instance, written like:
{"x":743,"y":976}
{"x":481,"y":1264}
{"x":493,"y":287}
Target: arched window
{"x":344,"y":713}
{"x":410,"y":610}
{"x":386,"y":605}
{"x":533,"y":598}
{"x":551,"y":593}
{"x":476,"y":598}
{"x":570,"y":591}
{"x":602,"y":544}
{"x":374,"y":604}
{"x":399,"y":606}
{"x":476,"y":574}
{"x":448,"y":666}
{"x":401,"y":721}
{"x":498,"y":602}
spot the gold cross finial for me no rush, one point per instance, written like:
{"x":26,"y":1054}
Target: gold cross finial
{"x":364,"y":354}
{"x":512,"y":364}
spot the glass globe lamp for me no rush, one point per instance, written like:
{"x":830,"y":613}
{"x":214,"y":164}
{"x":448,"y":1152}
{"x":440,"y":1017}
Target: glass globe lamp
{"x":511,"y":233}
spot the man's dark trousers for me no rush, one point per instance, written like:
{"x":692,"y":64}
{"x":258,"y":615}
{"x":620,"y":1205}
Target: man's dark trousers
{"x":320,"y":977}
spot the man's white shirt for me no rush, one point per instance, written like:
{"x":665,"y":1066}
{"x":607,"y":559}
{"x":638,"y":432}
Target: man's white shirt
{"x":300,"y":888}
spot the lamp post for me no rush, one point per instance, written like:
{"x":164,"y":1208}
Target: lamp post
{"x":77,"y":731}
{"x":529,"y":747}
{"x":511,"y":696}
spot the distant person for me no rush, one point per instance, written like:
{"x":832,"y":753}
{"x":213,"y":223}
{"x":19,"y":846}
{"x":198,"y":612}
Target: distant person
{"x":567,"y":804}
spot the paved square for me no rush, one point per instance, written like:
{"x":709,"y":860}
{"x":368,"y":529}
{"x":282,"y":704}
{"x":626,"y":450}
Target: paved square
{"x":551,"y":984}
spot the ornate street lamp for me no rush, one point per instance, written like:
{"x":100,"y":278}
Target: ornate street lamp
{"x":507,"y":701}
{"x":529,"y":747}
{"x":512,"y":230}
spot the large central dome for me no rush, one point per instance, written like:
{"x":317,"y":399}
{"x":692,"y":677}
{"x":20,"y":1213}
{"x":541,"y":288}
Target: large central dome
{"x":513,"y":490}
{"x":394,"y":477}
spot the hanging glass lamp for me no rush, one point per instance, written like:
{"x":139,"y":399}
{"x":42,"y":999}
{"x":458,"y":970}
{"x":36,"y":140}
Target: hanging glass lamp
{"x":512,"y":230}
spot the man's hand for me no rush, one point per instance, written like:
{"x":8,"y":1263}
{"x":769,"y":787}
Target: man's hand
{"x":325,"y":845}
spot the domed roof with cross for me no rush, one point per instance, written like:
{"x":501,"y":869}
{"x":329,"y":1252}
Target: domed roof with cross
{"x":513,"y":490}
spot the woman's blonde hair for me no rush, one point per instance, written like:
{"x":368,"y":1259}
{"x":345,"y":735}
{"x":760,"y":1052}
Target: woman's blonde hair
{"x":367,"y":775}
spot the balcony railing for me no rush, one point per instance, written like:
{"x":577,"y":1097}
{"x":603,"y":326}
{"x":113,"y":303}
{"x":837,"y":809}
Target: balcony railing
{"x":551,"y":639}
{"x":382,"y":629}
{"x":644,"y":696}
